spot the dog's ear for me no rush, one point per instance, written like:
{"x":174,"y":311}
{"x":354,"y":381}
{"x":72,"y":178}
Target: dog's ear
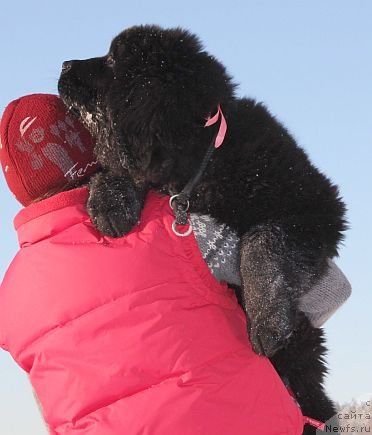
{"x":171,"y":84}
{"x":165,"y":89}
{"x":186,"y":97}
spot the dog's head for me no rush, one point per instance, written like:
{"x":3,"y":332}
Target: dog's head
{"x":147,"y":100}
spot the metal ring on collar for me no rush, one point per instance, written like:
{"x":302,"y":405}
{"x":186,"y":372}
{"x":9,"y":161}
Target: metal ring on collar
{"x":172,"y":198}
{"x":186,"y":233}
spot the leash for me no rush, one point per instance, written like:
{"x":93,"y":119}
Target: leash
{"x":180,"y":203}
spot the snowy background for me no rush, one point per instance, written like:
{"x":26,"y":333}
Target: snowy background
{"x":310,"y":62}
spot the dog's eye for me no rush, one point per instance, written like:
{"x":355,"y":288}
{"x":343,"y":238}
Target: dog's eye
{"x":110,"y":61}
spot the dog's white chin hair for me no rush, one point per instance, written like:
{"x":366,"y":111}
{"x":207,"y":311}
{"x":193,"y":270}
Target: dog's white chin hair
{"x":88,"y":118}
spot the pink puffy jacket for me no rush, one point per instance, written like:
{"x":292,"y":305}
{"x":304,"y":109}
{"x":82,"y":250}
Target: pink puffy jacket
{"x":133,"y":335}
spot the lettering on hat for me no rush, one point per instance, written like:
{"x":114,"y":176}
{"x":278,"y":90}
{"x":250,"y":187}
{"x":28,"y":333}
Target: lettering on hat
{"x":75,"y":172}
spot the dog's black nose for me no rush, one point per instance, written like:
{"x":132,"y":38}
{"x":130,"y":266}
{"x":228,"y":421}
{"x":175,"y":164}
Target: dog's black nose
{"x":66,"y":66}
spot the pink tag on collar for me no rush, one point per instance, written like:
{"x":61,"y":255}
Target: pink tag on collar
{"x":223,"y":126}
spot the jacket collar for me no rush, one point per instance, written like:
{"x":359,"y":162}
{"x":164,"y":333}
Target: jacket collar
{"x":48,"y":217}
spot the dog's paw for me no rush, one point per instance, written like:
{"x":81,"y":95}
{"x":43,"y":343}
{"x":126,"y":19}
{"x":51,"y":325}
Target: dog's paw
{"x":111,"y":222}
{"x":114,"y":204}
{"x":269,"y":332}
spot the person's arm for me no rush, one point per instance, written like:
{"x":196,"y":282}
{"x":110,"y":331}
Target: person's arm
{"x":219,"y":247}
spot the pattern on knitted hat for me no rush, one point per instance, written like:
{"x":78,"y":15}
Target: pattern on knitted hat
{"x":42,"y":147}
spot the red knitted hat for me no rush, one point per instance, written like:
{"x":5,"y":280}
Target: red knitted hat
{"x":42,"y":147}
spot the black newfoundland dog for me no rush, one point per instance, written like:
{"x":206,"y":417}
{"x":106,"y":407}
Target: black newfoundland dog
{"x":146,"y":102}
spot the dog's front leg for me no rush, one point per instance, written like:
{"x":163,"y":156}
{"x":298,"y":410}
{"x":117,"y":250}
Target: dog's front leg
{"x":273,"y":276}
{"x":115,"y":203}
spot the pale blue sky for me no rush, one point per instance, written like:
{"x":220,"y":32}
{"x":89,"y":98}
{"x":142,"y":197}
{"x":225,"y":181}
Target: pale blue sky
{"x":309,"y":61}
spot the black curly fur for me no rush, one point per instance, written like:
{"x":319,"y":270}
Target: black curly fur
{"x":306,"y":370}
{"x":147,"y":102}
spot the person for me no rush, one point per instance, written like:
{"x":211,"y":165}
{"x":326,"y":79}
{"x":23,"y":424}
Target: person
{"x":113,"y":339}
